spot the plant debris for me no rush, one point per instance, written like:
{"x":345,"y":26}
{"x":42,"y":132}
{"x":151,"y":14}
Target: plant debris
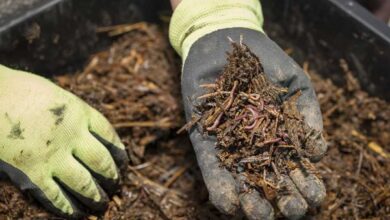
{"x":356,"y":170}
{"x":134,"y":84}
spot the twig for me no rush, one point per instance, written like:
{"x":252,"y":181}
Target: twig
{"x":159,"y":189}
{"x":163,"y":123}
{"x":354,"y":193}
{"x":270,"y":141}
{"x":122,"y":28}
{"x":210,"y":85}
{"x":275,"y":170}
{"x":156,"y":204}
{"x":142,"y":166}
{"x":359,"y":163}
{"x":208,"y":95}
{"x":189,"y":125}
{"x":216,"y":123}
{"x":231,"y":95}
{"x":176,"y":175}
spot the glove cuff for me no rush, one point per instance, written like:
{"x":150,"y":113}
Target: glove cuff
{"x":194,"y":19}
{"x":4,"y":71}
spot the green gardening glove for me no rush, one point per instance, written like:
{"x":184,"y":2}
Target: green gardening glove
{"x":200,"y":32}
{"x":55,"y":146}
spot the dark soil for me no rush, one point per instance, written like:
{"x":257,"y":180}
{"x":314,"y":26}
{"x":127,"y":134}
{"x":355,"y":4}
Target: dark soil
{"x":357,"y":168}
{"x":135,"y":84}
{"x":260,"y":137}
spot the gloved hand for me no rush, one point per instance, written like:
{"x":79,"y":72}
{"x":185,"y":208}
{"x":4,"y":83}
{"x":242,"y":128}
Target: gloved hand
{"x":199,"y":32}
{"x":55,"y":146}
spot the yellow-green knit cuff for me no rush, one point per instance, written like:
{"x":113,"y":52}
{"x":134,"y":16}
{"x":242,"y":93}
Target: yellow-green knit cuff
{"x":194,"y":19}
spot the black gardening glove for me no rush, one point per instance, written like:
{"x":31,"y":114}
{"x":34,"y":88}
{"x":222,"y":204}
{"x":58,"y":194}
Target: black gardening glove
{"x":203,"y":42}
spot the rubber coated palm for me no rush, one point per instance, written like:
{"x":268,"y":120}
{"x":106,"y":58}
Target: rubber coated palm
{"x":204,"y":63}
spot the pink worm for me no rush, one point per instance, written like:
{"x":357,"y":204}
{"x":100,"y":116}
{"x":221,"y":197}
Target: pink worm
{"x":240,"y":117}
{"x":284,"y":136}
{"x":231,"y":98}
{"x":253,"y":110}
{"x":271,"y":141}
{"x":261,"y":107}
{"x":250,"y":127}
{"x":254,"y":96}
{"x":216,"y":123}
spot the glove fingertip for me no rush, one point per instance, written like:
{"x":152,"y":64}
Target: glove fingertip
{"x":310,"y":186}
{"x":256,"y":207}
{"x":63,"y":200}
{"x":226,"y":202}
{"x":40,"y":196}
{"x":91,"y":204}
{"x":289,"y":201}
{"x":318,"y":149}
{"x":118,"y":154}
{"x":101,"y":128}
{"x":219,"y":181}
{"x":222,"y":190}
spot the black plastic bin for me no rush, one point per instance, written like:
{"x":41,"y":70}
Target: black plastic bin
{"x":56,"y":36}
{"x":338,"y":29}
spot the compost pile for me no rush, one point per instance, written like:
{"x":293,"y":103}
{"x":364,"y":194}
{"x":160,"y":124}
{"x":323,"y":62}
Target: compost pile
{"x":259,"y":136}
{"x":356,"y":169}
{"x":135,"y":84}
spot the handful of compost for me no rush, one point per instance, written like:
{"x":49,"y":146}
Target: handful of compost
{"x":260,"y":135}
{"x":249,"y":140}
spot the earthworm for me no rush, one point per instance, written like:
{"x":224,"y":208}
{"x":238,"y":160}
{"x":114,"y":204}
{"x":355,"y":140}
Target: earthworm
{"x":272,"y":111}
{"x":285,"y":136}
{"x":240,"y":117}
{"x":260,"y":116}
{"x":255,"y":115}
{"x":283,"y":142}
{"x":253,"y":110}
{"x":254,"y":96}
{"x":250,"y":127}
{"x":216,"y":123}
{"x":285,"y":145}
{"x":230,"y":102}
{"x":265,"y":125}
{"x":231,"y":98}
{"x":261,"y":105}
{"x":271,"y":141}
